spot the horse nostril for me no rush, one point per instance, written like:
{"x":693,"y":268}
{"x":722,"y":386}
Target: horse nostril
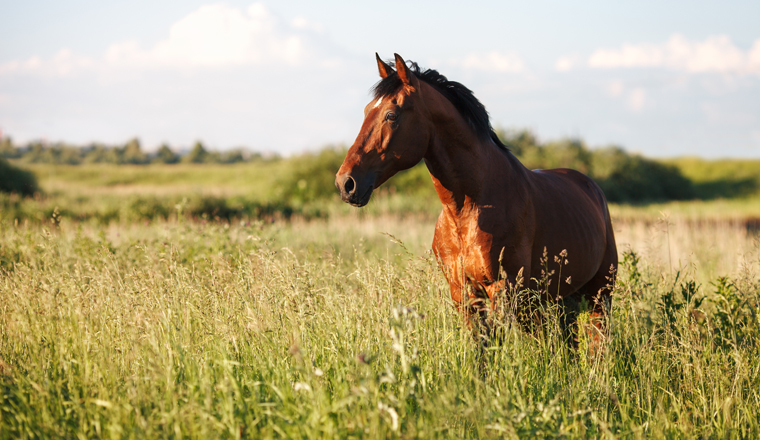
{"x":350,"y":185}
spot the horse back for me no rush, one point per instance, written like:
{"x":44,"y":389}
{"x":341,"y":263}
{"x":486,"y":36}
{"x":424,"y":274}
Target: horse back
{"x":571,"y":214}
{"x":568,"y":189}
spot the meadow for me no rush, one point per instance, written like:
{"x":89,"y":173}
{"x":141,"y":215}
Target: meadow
{"x":189,"y":302}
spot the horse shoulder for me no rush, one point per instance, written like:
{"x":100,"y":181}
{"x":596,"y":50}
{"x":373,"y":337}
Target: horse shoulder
{"x":445,"y":243}
{"x":513,"y":230}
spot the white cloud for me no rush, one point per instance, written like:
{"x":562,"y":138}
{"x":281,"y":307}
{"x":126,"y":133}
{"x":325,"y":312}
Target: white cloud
{"x":754,"y":57}
{"x":212,"y":36}
{"x":716,"y":54}
{"x":229,"y":76}
{"x":637,"y":99}
{"x":614,"y":88}
{"x":565,"y":64}
{"x":219,"y":35}
{"x":491,"y":62}
{"x":305,"y":23}
{"x":62,"y":63}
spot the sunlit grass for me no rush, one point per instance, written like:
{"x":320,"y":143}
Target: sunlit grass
{"x":132,"y":305}
{"x":330,"y":328}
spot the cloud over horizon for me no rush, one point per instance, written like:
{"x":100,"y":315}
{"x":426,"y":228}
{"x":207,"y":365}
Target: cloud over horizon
{"x":253,"y":76}
{"x":226,"y":75}
{"x":716,"y":54}
{"x":213,"y":36}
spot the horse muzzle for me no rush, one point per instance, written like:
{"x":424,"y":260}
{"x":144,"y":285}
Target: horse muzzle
{"x":355,"y":191}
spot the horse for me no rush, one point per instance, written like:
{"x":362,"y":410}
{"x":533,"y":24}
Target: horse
{"x":500,"y":223}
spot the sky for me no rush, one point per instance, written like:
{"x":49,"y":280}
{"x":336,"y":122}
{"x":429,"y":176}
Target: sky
{"x":662,"y":79}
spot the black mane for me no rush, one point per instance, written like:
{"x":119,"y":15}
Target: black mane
{"x":460,"y":96}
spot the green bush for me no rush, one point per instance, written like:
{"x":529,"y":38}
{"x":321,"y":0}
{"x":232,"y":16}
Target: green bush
{"x":565,"y":153}
{"x":16,"y":180}
{"x":625,"y":178}
{"x":310,"y":176}
{"x":414,"y":181}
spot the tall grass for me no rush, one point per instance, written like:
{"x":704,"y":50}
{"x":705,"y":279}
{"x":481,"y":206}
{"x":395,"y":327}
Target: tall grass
{"x":329,"y":329}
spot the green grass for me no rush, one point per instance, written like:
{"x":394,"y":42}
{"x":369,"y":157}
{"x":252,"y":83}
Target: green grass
{"x":329,"y":328}
{"x":176,"y":301}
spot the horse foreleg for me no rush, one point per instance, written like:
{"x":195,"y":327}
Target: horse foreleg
{"x":597,"y":295}
{"x":474,"y":310}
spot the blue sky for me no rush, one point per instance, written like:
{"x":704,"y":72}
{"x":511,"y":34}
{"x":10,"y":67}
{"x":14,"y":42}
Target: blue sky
{"x":661,"y":78}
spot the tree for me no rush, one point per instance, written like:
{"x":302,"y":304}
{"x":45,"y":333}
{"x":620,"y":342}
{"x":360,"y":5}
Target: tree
{"x":166,"y":155}
{"x":197,"y":155}
{"x":7,"y":149}
{"x":133,"y":153}
{"x":96,"y":153}
{"x":232,"y":156}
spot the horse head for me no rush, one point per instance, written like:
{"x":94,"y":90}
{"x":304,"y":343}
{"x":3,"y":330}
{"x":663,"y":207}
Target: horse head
{"x":393,"y":137}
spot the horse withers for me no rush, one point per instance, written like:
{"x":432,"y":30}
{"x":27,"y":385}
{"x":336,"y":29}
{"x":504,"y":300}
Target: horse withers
{"x":500,"y":222}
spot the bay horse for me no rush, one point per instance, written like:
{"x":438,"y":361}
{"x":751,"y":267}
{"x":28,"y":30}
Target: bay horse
{"x":500,"y":221}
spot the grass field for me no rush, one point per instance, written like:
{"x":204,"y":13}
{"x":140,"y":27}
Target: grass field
{"x":265,"y":328}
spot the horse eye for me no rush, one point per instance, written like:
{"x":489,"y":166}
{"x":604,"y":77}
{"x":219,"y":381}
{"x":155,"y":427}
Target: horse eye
{"x":390,"y":116}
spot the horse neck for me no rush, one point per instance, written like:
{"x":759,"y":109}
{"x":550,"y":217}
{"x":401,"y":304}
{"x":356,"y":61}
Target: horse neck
{"x":466,"y":169}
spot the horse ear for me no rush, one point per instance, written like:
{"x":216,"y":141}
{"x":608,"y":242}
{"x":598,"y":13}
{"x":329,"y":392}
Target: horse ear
{"x":382,"y":67}
{"x":403,"y":71}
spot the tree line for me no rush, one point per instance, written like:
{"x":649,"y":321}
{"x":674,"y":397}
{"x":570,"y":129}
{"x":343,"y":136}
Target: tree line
{"x":130,"y":153}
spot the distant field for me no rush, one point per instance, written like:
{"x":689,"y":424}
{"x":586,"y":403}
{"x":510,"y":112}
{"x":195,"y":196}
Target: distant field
{"x":88,"y":190}
{"x":230,"y":179}
{"x":724,"y":178}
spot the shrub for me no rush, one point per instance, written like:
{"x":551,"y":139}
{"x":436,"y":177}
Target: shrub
{"x":627,"y":178}
{"x":566,"y":153}
{"x":17,"y":180}
{"x":310,"y":176}
{"x":415,"y":180}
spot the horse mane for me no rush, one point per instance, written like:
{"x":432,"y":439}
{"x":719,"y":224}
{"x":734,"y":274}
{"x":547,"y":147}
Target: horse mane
{"x":468,"y":106}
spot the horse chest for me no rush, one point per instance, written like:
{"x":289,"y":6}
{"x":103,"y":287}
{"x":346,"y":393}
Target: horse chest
{"x":464,"y":251}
